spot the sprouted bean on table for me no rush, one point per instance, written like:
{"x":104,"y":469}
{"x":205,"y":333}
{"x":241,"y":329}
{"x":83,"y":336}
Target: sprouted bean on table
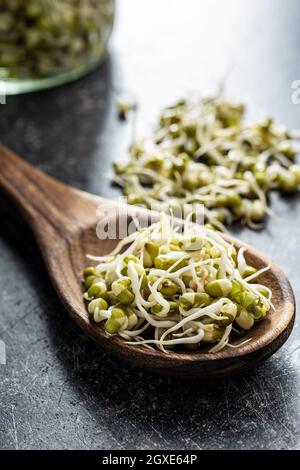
{"x":162,"y":287}
{"x":206,"y":153}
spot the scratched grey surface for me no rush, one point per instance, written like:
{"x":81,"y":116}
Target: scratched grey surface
{"x":60,"y":391}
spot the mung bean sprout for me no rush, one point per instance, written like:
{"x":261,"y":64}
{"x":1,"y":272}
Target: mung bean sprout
{"x":166,"y":288}
{"x":207,"y":153}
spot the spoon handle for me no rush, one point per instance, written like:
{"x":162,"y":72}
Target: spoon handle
{"x":46,"y":203}
{"x":28,"y":188}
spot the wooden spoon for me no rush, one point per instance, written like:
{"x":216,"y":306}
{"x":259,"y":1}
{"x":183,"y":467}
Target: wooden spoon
{"x":64,"y":221}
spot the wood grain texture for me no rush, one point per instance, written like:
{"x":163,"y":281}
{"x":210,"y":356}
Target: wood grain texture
{"x":64,"y":222}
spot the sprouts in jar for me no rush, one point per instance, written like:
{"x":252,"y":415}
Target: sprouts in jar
{"x":44,"y":42}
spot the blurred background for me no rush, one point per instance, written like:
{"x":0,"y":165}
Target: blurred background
{"x":59,"y":390}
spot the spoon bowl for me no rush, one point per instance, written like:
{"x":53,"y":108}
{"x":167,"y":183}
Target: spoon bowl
{"x":64,"y":222}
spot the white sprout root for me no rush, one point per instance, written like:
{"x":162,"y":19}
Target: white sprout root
{"x":206,"y":153}
{"x":171,"y":289}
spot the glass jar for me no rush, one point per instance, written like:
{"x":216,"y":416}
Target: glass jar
{"x":44,"y":43}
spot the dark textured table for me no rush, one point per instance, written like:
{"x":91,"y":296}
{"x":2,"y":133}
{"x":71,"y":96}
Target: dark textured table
{"x":58,"y":389}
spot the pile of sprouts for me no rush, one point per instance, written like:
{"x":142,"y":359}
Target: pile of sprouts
{"x":206,"y":153}
{"x":166,"y":287}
